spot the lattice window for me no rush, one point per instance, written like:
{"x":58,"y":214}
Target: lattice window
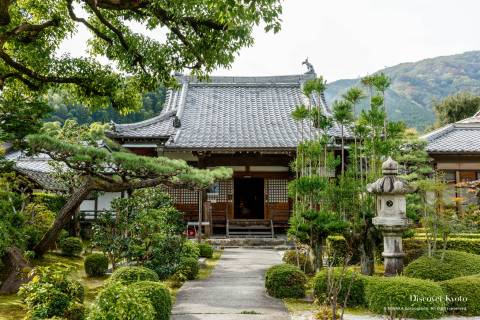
{"x":182,"y":196}
{"x":225,"y":189}
{"x":277,"y":190}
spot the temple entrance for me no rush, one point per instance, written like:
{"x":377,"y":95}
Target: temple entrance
{"x":248,"y":198}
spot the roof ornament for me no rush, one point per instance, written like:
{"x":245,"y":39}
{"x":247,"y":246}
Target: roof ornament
{"x":309,"y":66}
{"x":113,"y":125}
{"x":176,"y":122}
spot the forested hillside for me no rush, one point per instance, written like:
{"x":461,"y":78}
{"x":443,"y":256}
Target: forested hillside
{"x":415,"y":85}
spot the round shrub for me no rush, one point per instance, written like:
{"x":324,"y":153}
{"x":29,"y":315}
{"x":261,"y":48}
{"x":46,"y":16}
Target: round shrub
{"x":117,"y":301}
{"x":127,"y":275}
{"x":96,"y":264}
{"x":356,"y":296}
{"x":285,"y":281}
{"x":463,"y":295}
{"x":455,"y":264}
{"x":404,"y":297}
{"x":190,"y":249}
{"x":188,"y":267}
{"x":206,"y":250}
{"x":159,"y":297}
{"x":71,"y":246}
{"x":291,"y":257}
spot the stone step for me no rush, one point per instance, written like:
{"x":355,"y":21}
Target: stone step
{"x":280,"y":243}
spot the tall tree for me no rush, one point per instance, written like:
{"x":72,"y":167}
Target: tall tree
{"x":455,"y":108}
{"x":198,"y":36}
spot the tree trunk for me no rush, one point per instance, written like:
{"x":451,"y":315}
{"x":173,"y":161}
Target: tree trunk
{"x":15,"y":267}
{"x":66,"y":213}
{"x":343,"y":152}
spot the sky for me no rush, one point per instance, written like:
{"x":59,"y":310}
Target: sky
{"x":352,"y":38}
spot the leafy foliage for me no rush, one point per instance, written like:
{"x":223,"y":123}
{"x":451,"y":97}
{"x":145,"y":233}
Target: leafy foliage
{"x":285,"y":281}
{"x":454,"y":264}
{"x":51,"y":293}
{"x":455,"y":108}
{"x":198,"y":36}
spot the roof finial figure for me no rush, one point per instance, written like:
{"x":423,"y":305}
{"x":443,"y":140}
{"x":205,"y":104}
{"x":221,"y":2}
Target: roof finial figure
{"x":309,"y":66}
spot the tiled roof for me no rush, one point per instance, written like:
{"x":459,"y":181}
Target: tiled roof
{"x":38,"y":169}
{"x":459,"y":137}
{"x":231,"y":113}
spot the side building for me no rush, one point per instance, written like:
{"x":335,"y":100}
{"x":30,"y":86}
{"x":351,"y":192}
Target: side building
{"x":455,"y":150}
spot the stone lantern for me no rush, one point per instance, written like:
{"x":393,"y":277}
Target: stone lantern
{"x":391,"y":217}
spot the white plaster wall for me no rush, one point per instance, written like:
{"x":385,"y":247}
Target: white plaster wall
{"x":105,"y":199}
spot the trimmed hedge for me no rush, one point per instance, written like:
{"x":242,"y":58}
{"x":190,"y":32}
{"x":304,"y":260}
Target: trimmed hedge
{"x":455,"y":264}
{"x":285,"y":281}
{"x":96,"y":264}
{"x":413,"y":247}
{"x":206,"y":250}
{"x":290,"y":257}
{"x":158,"y":295}
{"x":71,"y":246}
{"x":357,"y":289}
{"x":189,"y":267}
{"x":405,"y":297}
{"x":127,"y":275}
{"x":463,"y":295}
{"x":118,"y":301}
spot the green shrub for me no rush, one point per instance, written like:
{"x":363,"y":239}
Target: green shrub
{"x":127,"y":275}
{"x":337,"y":249}
{"x":455,"y":264}
{"x":405,"y":297}
{"x":463,"y":295}
{"x":190,"y":249}
{"x":71,"y":246}
{"x":51,"y":293}
{"x":293,"y":258}
{"x":285,"y":281}
{"x":159,"y":297}
{"x":357,"y":289}
{"x":96,"y":264}
{"x":120,"y":302}
{"x":206,"y":250}
{"x":189,"y":267}
{"x":413,"y":249}
{"x":166,"y":254}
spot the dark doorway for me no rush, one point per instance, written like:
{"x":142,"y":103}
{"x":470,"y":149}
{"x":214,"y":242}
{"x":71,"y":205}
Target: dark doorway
{"x":248,"y":198}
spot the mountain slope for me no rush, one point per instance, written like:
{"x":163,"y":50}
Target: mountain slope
{"x":416,"y":84}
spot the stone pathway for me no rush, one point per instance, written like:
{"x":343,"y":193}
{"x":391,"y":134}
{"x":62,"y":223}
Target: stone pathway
{"x":235,"y":288}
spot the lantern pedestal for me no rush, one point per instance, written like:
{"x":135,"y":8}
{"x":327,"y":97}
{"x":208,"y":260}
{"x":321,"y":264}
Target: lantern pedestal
{"x":392,"y":247}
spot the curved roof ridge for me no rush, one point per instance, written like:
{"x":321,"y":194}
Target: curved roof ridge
{"x":128,"y":126}
{"x":295,"y":78}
